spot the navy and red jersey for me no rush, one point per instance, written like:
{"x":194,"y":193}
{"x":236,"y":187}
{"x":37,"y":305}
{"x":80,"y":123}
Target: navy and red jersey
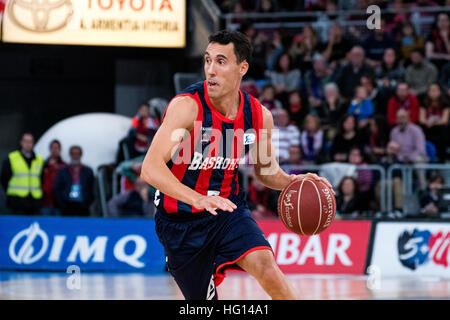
{"x":208,"y":159}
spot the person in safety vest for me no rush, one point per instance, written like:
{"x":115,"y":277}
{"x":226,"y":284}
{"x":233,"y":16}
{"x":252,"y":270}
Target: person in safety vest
{"x":21,"y":178}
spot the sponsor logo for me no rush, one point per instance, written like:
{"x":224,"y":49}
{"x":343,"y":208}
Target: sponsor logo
{"x":40,"y":16}
{"x":249,"y":138}
{"x":205,"y":163}
{"x":288,"y":206}
{"x":420,"y":247}
{"x":328,"y":208}
{"x":30,"y":245}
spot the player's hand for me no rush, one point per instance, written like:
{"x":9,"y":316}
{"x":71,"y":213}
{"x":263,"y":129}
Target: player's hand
{"x":211,"y":203}
{"x":313,"y":176}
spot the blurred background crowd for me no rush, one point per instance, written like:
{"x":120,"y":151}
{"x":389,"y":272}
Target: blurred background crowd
{"x":341,"y":98}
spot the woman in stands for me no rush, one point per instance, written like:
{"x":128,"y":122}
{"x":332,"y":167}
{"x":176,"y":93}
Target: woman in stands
{"x":434,"y":119}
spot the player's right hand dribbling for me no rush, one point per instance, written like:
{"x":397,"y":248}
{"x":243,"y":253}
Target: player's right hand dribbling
{"x":211,"y":203}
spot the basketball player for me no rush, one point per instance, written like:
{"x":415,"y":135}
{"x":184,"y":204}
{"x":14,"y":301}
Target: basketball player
{"x":202,"y":220}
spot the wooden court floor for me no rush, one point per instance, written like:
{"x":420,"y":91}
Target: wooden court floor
{"x":236,"y":286}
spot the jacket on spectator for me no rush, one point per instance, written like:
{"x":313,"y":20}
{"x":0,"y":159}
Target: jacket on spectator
{"x":411,"y":104}
{"x":421,"y":78}
{"x":412,"y":142}
{"x":25,"y":202}
{"x":48,"y":178}
{"x":63,"y":185}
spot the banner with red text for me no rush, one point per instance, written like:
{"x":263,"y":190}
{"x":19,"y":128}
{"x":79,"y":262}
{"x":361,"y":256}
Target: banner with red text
{"x":340,"y":249}
{"x":143,"y":23}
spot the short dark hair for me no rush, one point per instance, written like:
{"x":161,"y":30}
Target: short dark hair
{"x":242,"y":46}
{"x":55,"y":141}
{"x":75,"y":147}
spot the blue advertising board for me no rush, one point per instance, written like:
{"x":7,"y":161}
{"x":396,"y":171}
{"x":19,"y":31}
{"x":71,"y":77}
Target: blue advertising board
{"x":92,"y":244}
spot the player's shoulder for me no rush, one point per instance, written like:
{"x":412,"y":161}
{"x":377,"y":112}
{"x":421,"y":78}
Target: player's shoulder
{"x":267,"y":117}
{"x":181,"y":106}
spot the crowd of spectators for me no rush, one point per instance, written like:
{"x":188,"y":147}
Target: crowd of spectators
{"x":376,"y":98}
{"x":350,"y":100}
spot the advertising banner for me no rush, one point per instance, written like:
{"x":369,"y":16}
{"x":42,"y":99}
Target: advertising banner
{"x":340,"y":249}
{"x":412,"y":248}
{"x":142,"y":23}
{"x":92,"y":244}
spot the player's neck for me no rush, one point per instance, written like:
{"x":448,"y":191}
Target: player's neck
{"x":227,"y":105}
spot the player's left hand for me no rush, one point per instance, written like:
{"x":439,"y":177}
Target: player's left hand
{"x":312,"y":176}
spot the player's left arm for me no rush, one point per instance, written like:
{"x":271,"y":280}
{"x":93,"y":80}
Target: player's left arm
{"x":267,"y":169}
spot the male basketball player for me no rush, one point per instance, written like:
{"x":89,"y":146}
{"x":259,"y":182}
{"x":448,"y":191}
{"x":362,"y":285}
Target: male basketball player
{"x":202,"y":220}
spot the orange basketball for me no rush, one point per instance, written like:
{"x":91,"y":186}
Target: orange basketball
{"x":306,"y":206}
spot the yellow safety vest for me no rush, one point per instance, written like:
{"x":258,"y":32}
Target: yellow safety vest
{"x":25,"y":179}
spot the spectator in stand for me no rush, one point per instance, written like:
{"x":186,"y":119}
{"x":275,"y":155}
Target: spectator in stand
{"x":390,"y":72}
{"x":361,"y":107}
{"x":268,"y":99}
{"x":337,"y":46}
{"x":74,"y":186}
{"x":285,"y":135}
{"x":412,"y":141}
{"x":348,"y":201}
{"x":133,"y":203}
{"x":315,"y":80}
{"x":376,"y":43}
{"x":444,"y":79}
{"x":378,"y":138}
{"x":312,"y":140}
{"x":248,"y":85}
{"x":434,"y":119}
{"x":364,"y":177}
{"x":409,"y":41}
{"x":303,"y":48}
{"x":266,"y":6}
{"x":285,"y":78}
{"x":259,"y":52}
{"x":347,"y":136}
{"x":410,"y":137}
{"x":403,"y":100}
{"x":22,"y":178}
{"x":296,"y":108}
{"x":395,"y":20}
{"x":129,"y":171}
{"x":52,"y":165}
{"x":391,"y":158}
{"x":295,"y":159}
{"x":438,"y":42}
{"x":332,"y":108}
{"x":429,"y":199}
{"x":379,"y":95}
{"x":143,"y":129}
{"x":349,"y":76}
{"x":262,"y":201}
{"x":420,"y":74}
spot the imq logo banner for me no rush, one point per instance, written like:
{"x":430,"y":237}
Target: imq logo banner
{"x":36,"y":243}
{"x":412,"y":249}
{"x":145,"y":23}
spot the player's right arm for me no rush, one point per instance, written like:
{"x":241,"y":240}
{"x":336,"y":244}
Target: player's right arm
{"x":181,"y":114}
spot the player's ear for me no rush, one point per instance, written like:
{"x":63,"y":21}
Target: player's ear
{"x":243,"y":68}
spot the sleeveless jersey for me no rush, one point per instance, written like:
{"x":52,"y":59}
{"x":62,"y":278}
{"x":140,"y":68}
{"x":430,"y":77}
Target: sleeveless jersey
{"x":208,"y":159}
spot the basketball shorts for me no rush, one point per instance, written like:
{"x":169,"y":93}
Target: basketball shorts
{"x":200,"y":251}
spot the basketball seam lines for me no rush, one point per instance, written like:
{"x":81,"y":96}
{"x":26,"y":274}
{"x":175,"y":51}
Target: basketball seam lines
{"x":320,"y":204}
{"x":298,"y":206}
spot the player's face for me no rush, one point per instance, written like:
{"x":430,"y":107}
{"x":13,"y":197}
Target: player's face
{"x":223,"y":73}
